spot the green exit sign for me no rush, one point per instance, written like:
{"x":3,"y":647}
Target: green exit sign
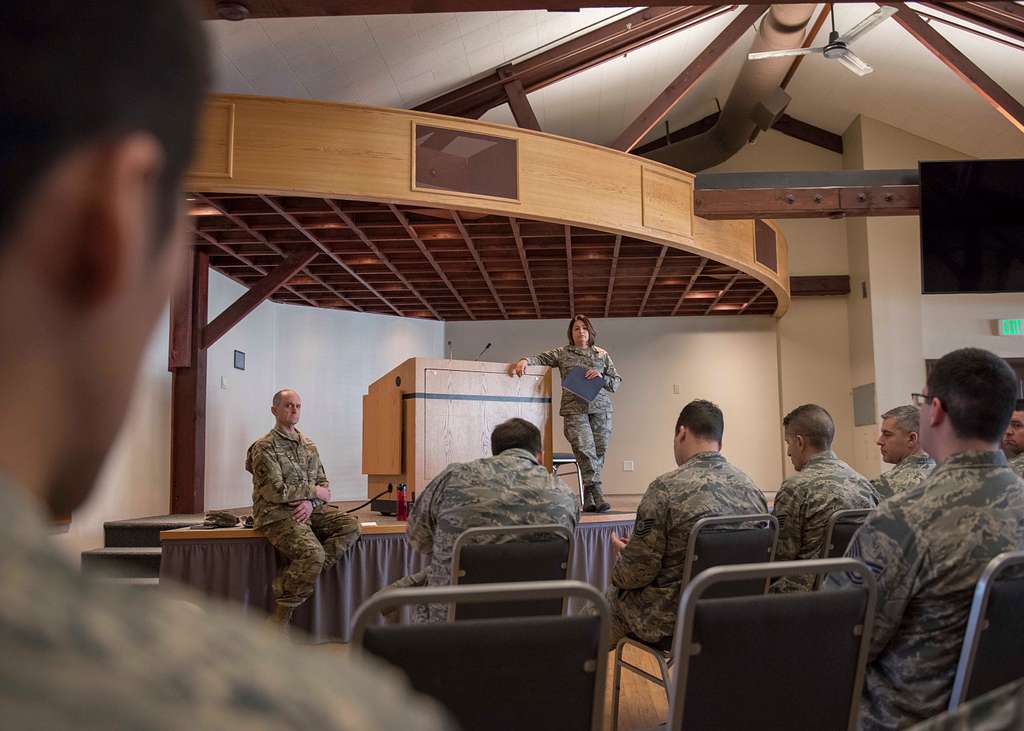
{"x":1010,"y":327}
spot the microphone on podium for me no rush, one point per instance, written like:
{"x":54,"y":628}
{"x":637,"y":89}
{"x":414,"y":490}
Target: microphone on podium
{"x":486,"y":348}
{"x":449,"y":350}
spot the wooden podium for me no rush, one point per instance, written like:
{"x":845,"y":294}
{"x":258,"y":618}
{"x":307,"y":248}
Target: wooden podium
{"x":427,"y":413}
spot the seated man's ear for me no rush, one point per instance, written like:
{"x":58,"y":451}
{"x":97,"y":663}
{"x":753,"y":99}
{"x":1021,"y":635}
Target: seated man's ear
{"x":99,"y":207}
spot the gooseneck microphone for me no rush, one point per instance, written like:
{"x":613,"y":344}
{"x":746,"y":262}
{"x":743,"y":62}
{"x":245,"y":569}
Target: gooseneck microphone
{"x":449,"y":350}
{"x":486,"y":348}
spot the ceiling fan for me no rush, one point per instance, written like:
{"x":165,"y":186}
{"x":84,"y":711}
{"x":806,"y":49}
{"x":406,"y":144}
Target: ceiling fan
{"x":838,"y":46}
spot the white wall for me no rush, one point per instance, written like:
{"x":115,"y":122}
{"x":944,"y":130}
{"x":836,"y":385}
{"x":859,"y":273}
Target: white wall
{"x":729,"y":360}
{"x":329,"y":356}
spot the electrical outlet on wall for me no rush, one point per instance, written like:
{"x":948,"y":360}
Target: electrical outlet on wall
{"x":675,"y":388}
{"x":224,"y":383}
{"x":628,"y":466}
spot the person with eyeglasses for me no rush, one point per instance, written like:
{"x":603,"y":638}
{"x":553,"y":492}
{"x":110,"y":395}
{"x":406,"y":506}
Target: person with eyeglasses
{"x":928,"y":545}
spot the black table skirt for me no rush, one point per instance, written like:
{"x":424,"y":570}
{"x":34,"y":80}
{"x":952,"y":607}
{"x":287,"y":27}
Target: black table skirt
{"x":241,"y":570}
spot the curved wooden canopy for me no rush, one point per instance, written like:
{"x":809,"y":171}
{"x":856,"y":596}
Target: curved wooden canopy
{"x":582,"y":229}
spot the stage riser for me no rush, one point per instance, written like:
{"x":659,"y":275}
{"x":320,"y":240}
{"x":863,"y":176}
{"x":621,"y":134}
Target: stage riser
{"x":134,"y":563}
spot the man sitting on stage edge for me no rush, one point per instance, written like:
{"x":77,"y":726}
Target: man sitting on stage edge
{"x":647,"y":576}
{"x":289,"y":503}
{"x":512,"y":487}
{"x":823,"y":484}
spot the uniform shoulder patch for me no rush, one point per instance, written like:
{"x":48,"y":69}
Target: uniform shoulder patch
{"x":642,"y":526}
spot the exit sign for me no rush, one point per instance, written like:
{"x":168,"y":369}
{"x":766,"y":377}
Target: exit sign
{"x":1010,"y":327}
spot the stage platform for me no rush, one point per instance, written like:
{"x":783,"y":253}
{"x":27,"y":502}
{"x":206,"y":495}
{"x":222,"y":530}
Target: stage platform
{"x":238,"y":565}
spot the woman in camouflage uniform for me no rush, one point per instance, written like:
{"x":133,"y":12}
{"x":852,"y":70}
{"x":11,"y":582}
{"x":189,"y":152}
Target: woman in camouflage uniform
{"x":588,"y":426}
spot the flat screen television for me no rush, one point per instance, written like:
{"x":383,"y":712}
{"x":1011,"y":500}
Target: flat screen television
{"x":972,"y":226}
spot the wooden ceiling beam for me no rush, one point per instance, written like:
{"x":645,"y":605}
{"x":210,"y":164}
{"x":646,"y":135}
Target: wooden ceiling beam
{"x":243,"y":225}
{"x":721,"y":294}
{"x":347,"y":220}
{"x":213,"y":9}
{"x":430,"y":258}
{"x":689,"y":285}
{"x":967,"y":70}
{"x":1003,"y":17}
{"x":568,"y":264}
{"x":611,"y":276}
{"x":479,"y":262}
{"x":753,"y":299}
{"x":604,"y":43}
{"x":686,"y":80}
{"x":526,"y":264}
{"x":654,"y":278}
{"x":334,"y":257}
{"x":807,"y":43}
{"x":522,"y":110}
{"x":257,"y":294}
{"x":787,"y":125}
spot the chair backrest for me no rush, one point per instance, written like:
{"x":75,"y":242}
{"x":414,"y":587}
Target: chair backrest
{"x":727,"y":540}
{"x":511,"y":558}
{"x":842,"y":524}
{"x":993,"y":651}
{"x":512,"y":673}
{"x":808,"y":647}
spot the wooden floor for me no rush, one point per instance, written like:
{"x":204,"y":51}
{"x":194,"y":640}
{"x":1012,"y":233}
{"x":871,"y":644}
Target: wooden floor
{"x":642,"y":705}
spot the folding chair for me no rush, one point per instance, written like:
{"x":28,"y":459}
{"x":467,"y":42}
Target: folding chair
{"x":563,"y":458}
{"x":842,"y":524}
{"x":993,"y":651}
{"x":807,"y":645}
{"x":513,"y":673}
{"x":708,"y":546}
{"x":511,"y":560}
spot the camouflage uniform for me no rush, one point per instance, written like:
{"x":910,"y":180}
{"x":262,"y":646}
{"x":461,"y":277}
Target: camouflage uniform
{"x":1000,"y":710}
{"x":908,"y":473}
{"x":646,"y":579}
{"x":511,"y":488}
{"x":1017,"y":464}
{"x":927,"y":547}
{"x":78,"y":654}
{"x":587,"y":426}
{"x":804,"y":504}
{"x":285,"y":469}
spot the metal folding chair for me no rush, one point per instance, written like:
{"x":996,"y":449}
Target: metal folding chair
{"x":769,"y":645}
{"x":563,"y":458}
{"x":842,"y":525}
{"x":503,"y":558}
{"x":512,"y":673}
{"x":708,"y":546}
{"x":993,"y":651}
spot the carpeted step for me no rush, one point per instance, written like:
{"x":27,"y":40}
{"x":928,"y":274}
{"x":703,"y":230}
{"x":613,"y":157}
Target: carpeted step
{"x":139,"y":532}
{"x":147,"y":584}
{"x":133,"y":562}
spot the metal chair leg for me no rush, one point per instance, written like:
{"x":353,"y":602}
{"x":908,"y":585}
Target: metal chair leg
{"x":579,"y":477}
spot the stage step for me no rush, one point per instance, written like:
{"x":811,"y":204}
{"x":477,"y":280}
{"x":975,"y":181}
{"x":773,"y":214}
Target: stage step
{"x":147,"y":584}
{"x":139,"y":532}
{"x":125,"y":562}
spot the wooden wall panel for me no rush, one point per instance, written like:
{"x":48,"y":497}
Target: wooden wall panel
{"x":215,"y":151}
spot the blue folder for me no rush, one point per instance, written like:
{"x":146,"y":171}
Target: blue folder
{"x":576,"y":381}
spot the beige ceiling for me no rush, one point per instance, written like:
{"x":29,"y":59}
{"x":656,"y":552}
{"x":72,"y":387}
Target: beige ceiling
{"x":400,"y":61}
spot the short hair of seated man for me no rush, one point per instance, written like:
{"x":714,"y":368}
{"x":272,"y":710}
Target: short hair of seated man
{"x":899,"y":436}
{"x":516,"y":433}
{"x":809,"y":430}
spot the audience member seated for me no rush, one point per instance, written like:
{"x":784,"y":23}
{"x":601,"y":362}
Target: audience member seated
{"x":899,"y":445}
{"x":290,"y":493}
{"x":823,"y":484}
{"x":512,"y":487}
{"x":1013,"y":440}
{"x":98,"y":110}
{"x":928,"y":545}
{"x":648,"y":572}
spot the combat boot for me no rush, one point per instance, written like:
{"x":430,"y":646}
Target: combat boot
{"x":588,"y":500}
{"x":281,"y":619}
{"x":600,"y":504}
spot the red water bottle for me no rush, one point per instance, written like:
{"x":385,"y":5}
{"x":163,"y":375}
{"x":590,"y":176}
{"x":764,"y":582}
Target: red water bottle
{"x":403,"y":508}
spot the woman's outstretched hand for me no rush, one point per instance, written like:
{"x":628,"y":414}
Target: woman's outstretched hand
{"x":518,"y":368}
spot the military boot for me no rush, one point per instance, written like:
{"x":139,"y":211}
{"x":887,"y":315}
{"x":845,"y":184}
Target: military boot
{"x":281,"y":619}
{"x":588,"y":500}
{"x":600,"y":504}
